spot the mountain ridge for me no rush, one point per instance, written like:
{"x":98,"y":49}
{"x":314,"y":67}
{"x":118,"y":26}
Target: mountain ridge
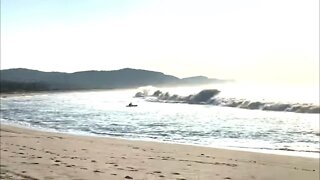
{"x":92,"y":79}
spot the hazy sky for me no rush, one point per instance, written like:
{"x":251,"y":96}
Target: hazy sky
{"x":250,"y":40}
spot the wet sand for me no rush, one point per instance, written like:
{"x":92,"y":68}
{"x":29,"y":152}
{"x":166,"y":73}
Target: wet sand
{"x":31,"y":154}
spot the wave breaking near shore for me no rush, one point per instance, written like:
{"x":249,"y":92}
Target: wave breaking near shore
{"x":210,"y":97}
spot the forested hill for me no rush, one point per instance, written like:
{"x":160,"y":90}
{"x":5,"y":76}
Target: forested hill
{"x":33,"y":80}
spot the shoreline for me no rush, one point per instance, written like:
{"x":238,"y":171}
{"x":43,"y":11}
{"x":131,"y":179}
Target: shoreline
{"x":244,"y":149}
{"x":304,"y":105}
{"x":32,"y":93}
{"x":32,"y":154}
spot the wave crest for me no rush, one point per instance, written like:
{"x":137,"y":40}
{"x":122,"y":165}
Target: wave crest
{"x":209,"y":97}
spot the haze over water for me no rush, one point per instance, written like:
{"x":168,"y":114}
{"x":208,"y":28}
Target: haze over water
{"x":294,"y":93}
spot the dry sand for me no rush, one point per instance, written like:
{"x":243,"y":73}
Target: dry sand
{"x":30,"y":154}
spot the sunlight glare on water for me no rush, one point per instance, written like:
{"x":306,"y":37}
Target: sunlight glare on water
{"x":104,"y":113}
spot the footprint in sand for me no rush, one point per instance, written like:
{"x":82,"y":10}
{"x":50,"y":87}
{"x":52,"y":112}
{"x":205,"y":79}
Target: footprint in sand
{"x":97,"y":171}
{"x":128,"y":177}
{"x":110,"y":163}
{"x":132,"y":169}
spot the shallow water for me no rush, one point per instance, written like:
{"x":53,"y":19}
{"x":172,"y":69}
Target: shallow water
{"x":104,"y":113}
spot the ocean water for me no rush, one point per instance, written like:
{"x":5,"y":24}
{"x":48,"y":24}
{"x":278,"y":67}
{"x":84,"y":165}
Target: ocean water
{"x":104,"y":113}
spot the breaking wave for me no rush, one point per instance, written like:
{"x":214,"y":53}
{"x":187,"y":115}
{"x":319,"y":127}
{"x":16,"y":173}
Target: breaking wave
{"x":210,"y":97}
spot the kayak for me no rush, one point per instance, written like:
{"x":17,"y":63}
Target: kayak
{"x":132,"y":105}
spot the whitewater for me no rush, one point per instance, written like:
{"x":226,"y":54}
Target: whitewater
{"x":180,"y":116}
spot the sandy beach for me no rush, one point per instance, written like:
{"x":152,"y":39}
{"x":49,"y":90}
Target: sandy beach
{"x":30,"y":154}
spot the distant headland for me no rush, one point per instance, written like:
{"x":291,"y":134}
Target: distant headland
{"x":24,"y":80}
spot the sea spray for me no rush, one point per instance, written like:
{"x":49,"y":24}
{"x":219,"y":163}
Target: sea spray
{"x":209,"y":97}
